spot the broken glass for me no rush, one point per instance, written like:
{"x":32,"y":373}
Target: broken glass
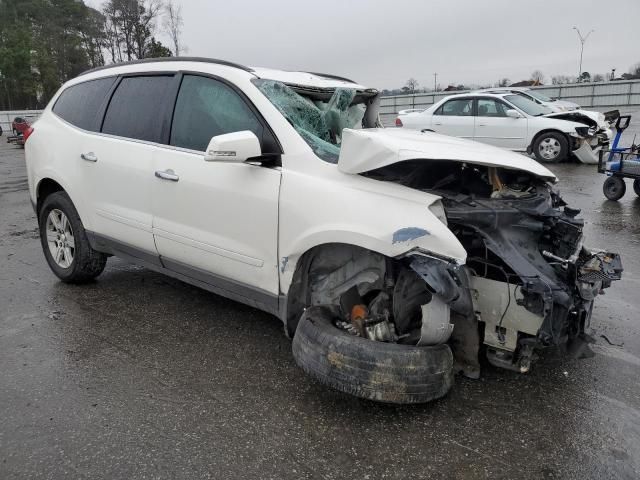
{"x":319,"y":123}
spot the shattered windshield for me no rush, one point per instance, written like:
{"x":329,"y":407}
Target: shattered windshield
{"x":318,"y":120}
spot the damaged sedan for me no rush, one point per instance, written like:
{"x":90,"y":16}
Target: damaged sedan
{"x":394,"y":258}
{"x":512,"y":121}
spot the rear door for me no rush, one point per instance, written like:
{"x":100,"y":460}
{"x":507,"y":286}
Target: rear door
{"x":455,"y":118}
{"x":121,"y":160}
{"x":213,"y":220}
{"x":494,"y":127}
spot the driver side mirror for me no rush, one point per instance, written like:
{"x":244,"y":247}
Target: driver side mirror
{"x":236,"y":147}
{"x":513,"y":113}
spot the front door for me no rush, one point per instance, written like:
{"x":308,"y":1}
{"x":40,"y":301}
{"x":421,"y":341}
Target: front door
{"x":215,"y":221}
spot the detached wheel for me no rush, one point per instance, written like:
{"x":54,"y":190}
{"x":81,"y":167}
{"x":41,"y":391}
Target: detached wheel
{"x":551,"y":147}
{"x":636,"y":186}
{"x":64,"y":241}
{"x":383,"y":372}
{"x":614,"y":188}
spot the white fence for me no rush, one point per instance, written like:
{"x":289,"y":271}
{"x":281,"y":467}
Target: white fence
{"x":6,"y":117}
{"x":598,"y":96}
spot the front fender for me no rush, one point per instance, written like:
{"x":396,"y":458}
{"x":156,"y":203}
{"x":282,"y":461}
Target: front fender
{"x":383,"y":217}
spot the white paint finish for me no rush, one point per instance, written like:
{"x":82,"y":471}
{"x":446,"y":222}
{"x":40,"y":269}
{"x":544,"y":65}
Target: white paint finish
{"x":118,"y":188}
{"x":220,"y":217}
{"x":234,"y":147}
{"x":364,"y":150}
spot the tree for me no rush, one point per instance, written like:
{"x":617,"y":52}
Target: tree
{"x":538,"y":77}
{"x":155,"y":49}
{"x":585,"y":77}
{"x":129,"y":27}
{"x":411,"y":85}
{"x":598,"y":77}
{"x":173,"y":26}
{"x":635,"y":69}
{"x":504,"y":82}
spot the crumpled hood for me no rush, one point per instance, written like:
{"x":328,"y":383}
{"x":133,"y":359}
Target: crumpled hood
{"x":575,"y":115}
{"x":369,"y":149}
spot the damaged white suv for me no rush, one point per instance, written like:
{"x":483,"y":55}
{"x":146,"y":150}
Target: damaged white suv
{"x":394,"y":258}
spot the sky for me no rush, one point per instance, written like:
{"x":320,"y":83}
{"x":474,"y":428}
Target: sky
{"x":383,"y":43}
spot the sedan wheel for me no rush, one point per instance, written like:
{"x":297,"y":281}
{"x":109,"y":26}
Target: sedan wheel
{"x":60,"y":238}
{"x":551,"y":147}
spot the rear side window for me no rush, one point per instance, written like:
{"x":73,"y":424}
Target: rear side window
{"x":79,"y":104}
{"x":206,"y":108}
{"x":138,"y":108}
{"x":457,"y":108}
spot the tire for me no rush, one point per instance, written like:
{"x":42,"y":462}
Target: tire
{"x":551,"y":147}
{"x":81,"y":263}
{"x":614,"y":188}
{"x":382,"y":372}
{"x":636,"y":186}
{"x":15,"y":132}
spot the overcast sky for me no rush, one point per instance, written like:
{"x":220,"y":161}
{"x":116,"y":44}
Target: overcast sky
{"x":383,"y":43}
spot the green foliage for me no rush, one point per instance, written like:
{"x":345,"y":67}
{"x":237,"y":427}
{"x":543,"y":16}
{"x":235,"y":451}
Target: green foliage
{"x":44,"y":43}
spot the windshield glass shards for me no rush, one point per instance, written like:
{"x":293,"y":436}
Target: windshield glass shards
{"x":318,"y":121}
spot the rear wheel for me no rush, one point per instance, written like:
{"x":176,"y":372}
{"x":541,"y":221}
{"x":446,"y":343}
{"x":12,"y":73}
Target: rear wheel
{"x":614,"y":188}
{"x":64,"y":241}
{"x":636,"y":186}
{"x":551,"y":147}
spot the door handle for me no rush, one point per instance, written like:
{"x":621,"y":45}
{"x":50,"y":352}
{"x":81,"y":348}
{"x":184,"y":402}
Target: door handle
{"x":437,"y":123}
{"x":482,"y":124}
{"x":89,"y":157}
{"x":167,"y":175}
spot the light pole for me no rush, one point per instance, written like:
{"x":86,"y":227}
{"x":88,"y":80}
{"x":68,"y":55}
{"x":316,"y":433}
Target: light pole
{"x":582,"y":40}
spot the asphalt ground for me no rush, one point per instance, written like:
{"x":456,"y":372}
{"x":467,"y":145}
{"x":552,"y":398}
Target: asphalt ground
{"x":140,"y":376}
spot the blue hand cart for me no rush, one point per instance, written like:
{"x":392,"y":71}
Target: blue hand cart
{"x":619,"y":163}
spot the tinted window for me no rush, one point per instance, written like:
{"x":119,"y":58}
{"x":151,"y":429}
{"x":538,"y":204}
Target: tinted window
{"x":79,"y":105}
{"x":490,"y":108}
{"x":138,"y":108}
{"x":462,"y":107}
{"x":206,"y":108}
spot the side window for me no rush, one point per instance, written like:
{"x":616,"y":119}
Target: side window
{"x":488,"y":107}
{"x":205,"y":108}
{"x":138,"y":107}
{"x":460,"y":108}
{"x":80,"y":103}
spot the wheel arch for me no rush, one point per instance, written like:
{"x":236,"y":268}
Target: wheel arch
{"x":549,"y":130}
{"x":298,"y":291}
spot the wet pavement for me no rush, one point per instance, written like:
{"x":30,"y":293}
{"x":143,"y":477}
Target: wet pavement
{"x":141,"y":376}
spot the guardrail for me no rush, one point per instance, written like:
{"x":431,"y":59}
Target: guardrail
{"x":597,"y":95}
{"x":7,"y":116}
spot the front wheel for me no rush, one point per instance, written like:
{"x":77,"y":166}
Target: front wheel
{"x":64,"y":241}
{"x":551,"y":147}
{"x":383,"y":372}
{"x":614,"y":188}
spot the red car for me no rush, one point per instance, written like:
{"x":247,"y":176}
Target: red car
{"x":19,"y":125}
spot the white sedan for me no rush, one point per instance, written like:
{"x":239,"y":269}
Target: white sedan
{"x":516,"y":123}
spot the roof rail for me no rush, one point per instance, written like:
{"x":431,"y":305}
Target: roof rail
{"x":171,"y":59}
{"x":334,"y":77}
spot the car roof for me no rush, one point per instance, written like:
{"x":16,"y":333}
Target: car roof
{"x":311,"y":79}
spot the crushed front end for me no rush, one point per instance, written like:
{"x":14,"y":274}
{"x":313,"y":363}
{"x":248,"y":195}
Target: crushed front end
{"x":532,"y":280}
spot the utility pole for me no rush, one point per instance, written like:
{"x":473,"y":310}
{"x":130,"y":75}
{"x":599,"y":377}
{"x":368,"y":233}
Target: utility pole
{"x":435,"y":82}
{"x":582,"y":40}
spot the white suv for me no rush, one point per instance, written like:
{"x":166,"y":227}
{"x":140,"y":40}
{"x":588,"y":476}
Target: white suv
{"x":278,"y":190}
